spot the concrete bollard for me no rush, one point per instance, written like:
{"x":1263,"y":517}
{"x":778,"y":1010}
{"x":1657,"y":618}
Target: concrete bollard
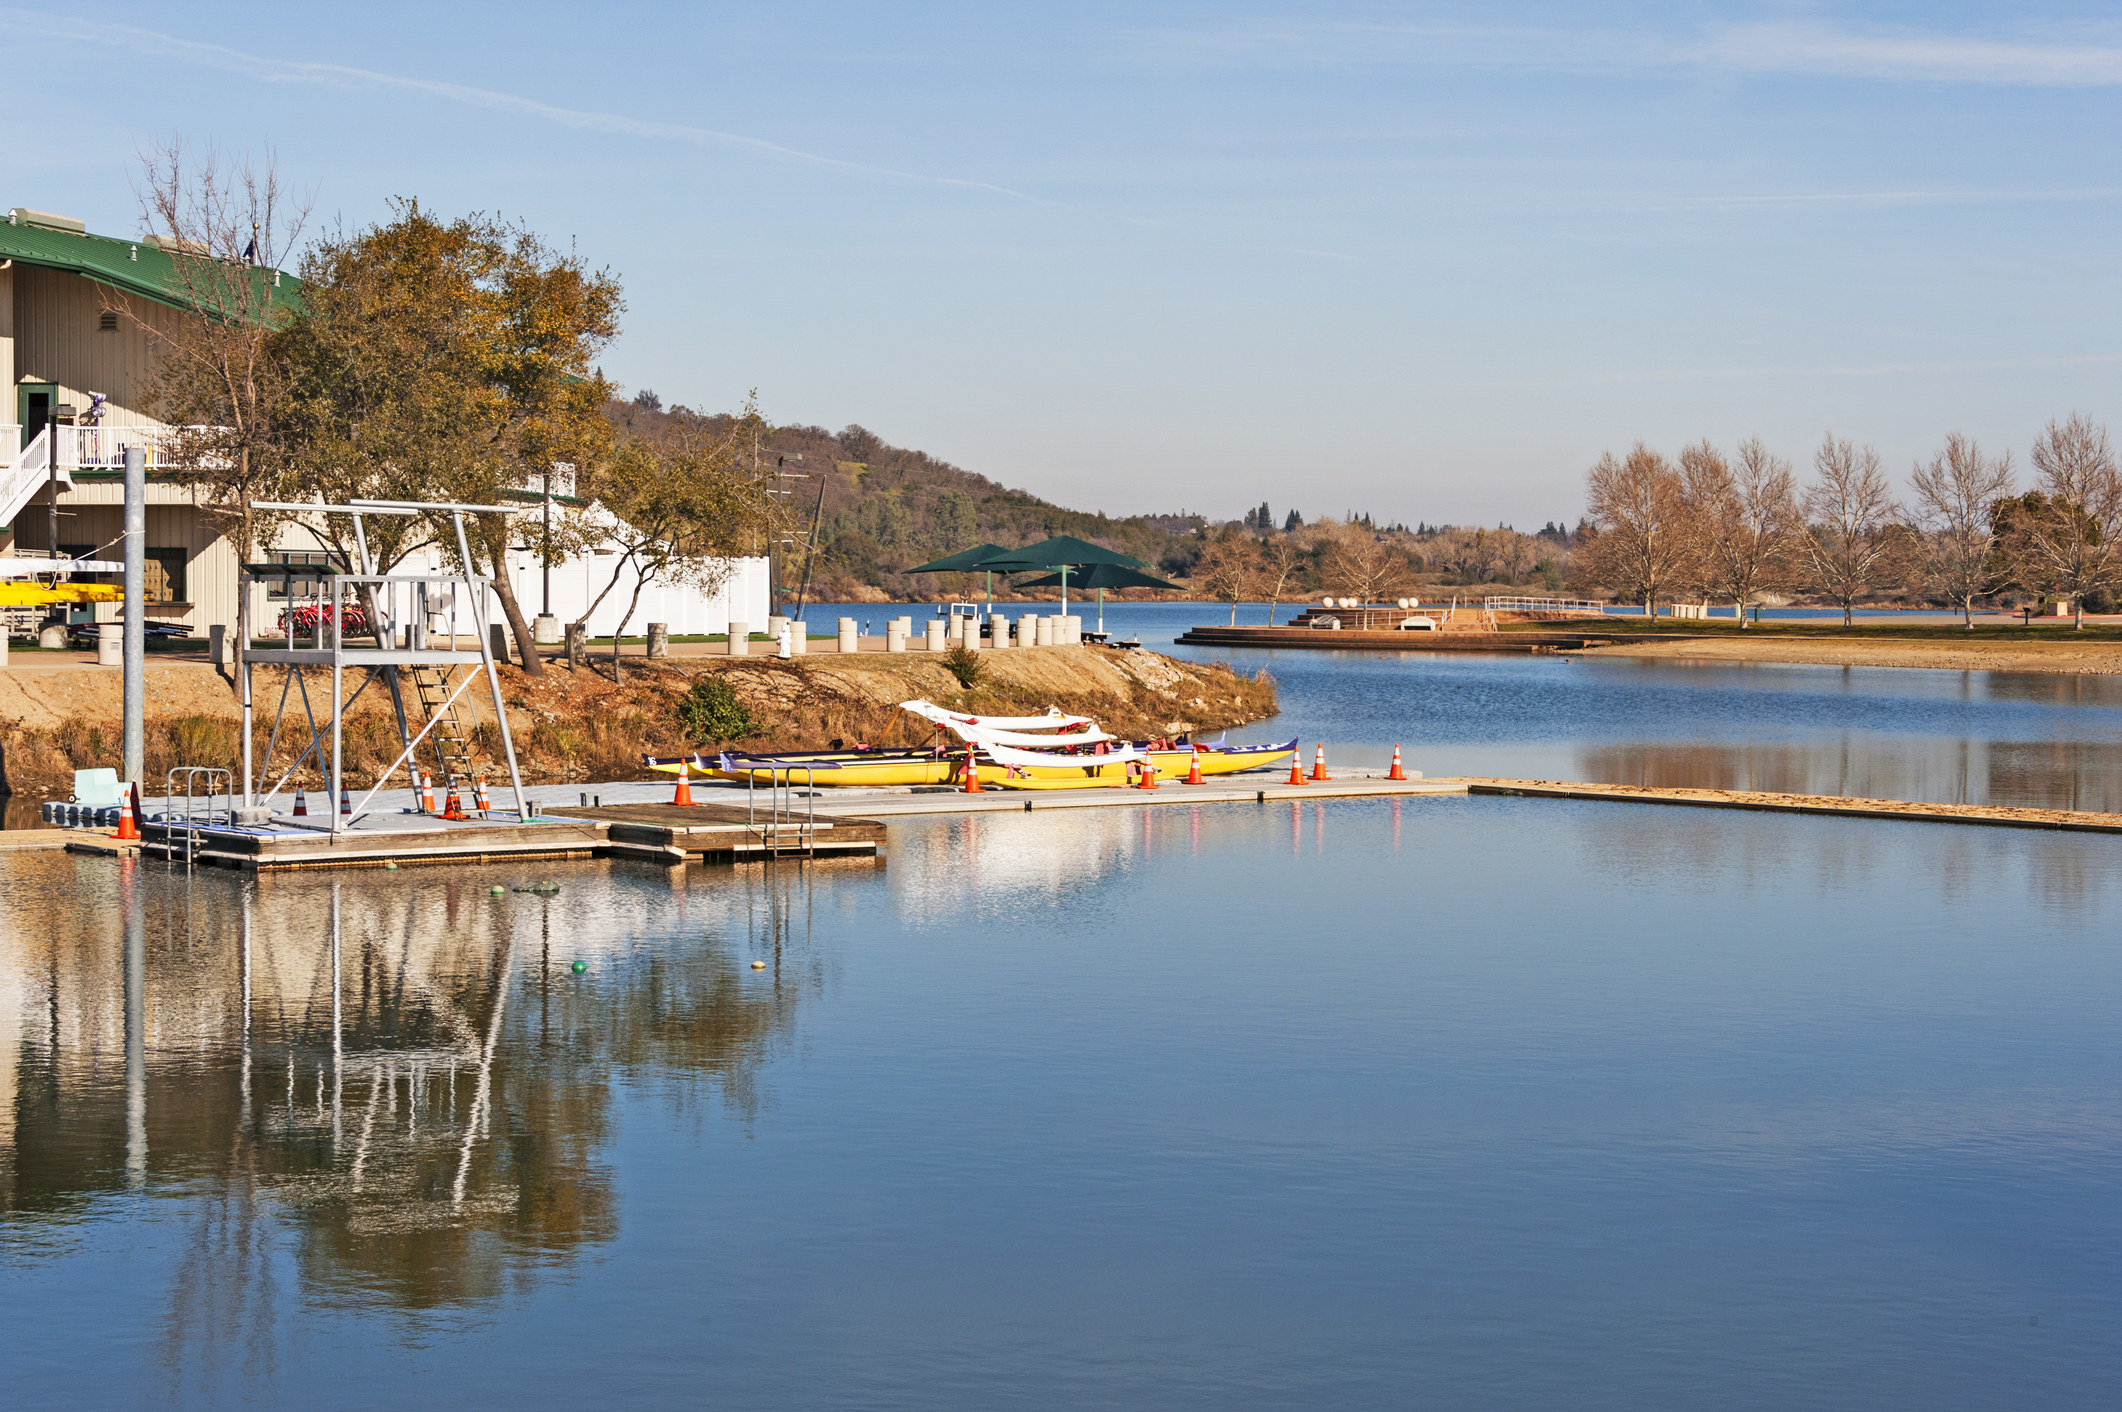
{"x":497,"y":641}
{"x":3,"y":644}
{"x":972,"y":634}
{"x":1074,"y":634}
{"x":659,"y":639}
{"x":1042,"y":630}
{"x":850,"y":641}
{"x":774,"y":623}
{"x":545,"y":630}
{"x":52,"y":637}
{"x":110,"y":647}
{"x":935,"y":635}
{"x":894,"y":639}
{"x":216,"y":644}
{"x":799,"y":637}
{"x":999,"y":627}
{"x":740,"y":637}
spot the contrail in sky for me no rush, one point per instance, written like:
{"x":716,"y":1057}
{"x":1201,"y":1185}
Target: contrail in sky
{"x":352,"y":80}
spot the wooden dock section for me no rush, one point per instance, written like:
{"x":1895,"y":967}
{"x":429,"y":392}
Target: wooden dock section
{"x":1217,"y":789}
{"x":1839,"y":806}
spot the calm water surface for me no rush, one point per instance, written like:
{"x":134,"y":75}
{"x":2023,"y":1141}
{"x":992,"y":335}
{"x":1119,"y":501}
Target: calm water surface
{"x":1887,"y":732}
{"x":1466,"y":1102}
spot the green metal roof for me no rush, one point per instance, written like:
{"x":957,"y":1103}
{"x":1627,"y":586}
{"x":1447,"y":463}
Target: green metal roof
{"x":132,"y":266}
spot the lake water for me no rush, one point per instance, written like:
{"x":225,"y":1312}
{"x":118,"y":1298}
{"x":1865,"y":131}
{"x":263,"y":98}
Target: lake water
{"x":2040,"y":740}
{"x":1477,"y":1103}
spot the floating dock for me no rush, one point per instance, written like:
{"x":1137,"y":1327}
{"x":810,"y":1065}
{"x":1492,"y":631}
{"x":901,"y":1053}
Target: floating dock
{"x":656,"y":833}
{"x":1357,"y":640}
{"x":852,"y":823}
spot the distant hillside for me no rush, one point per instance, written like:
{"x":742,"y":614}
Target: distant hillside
{"x":887,"y":508}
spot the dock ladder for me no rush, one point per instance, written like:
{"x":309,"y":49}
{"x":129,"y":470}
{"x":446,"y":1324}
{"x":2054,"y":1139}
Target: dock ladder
{"x":453,"y":753}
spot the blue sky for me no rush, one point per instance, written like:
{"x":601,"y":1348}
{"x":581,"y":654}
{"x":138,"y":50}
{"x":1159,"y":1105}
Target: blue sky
{"x":1425,"y":260}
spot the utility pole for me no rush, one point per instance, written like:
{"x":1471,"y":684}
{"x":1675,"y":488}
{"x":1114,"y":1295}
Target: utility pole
{"x":135,"y":745}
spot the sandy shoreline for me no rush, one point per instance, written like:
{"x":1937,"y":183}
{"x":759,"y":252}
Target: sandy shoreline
{"x":1989,"y":655}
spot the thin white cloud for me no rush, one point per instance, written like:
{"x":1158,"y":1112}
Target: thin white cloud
{"x":2092,"y":59}
{"x":1913,"y":56}
{"x":344,"y":79}
{"x":1882,"y":199}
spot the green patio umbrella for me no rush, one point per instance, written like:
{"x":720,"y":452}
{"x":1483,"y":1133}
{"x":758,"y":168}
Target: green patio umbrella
{"x":1062,"y":552}
{"x":1102,"y":577}
{"x":965,"y":561}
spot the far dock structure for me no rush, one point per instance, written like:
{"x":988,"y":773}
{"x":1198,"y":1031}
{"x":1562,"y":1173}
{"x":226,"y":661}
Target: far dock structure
{"x":1410,"y":625}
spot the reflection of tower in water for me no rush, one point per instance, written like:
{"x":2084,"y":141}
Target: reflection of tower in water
{"x":399,"y":1081}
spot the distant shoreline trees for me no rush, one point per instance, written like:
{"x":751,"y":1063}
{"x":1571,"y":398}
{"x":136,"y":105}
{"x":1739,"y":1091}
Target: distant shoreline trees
{"x":1740,"y":529}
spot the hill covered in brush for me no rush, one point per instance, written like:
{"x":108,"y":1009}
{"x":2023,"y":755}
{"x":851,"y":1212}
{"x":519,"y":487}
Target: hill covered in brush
{"x":887,"y":508}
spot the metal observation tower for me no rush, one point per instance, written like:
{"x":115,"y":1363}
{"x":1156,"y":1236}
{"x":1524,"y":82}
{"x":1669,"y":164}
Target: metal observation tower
{"x":408,"y":631}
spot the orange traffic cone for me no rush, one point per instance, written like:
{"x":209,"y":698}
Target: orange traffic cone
{"x":1296,"y":767}
{"x":427,"y":793}
{"x":1319,"y":764}
{"x":1149,"y":774}
{"x":346,"y":798}
{"x":479,"y":799}
{"x":129,"y":817}
{"x":301,"y":803}
{"x":453,"y":803}
{"x":1396,"y":773}
{"x":685,"y":784}
{"x":972,"y":773}
{"x":1193,"y":769}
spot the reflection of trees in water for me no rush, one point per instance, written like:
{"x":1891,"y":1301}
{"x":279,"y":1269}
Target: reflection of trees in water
{"x":2084,"y":775}
{"x":402,"y":1063}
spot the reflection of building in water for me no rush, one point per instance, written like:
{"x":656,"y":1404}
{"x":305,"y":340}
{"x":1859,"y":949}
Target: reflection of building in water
{"x":400,"y":1070}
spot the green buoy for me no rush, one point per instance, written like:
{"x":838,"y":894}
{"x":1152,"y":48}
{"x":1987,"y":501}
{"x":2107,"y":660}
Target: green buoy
{"x":500,"y":891}
{"x":580,"y":967}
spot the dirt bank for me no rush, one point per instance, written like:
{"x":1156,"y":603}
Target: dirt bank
{"x":579,"y":726}
{"x":1979,"y":655}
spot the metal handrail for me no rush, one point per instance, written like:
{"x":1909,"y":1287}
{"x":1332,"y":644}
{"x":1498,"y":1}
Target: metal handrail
{"x":191,"y":775}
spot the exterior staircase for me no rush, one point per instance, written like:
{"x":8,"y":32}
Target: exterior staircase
{"x":28,"y":473}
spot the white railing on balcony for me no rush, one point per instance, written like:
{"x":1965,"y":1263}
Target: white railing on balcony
{"x":103,"y":448}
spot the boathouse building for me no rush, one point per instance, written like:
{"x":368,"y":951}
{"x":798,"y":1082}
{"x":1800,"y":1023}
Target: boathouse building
{"x":77,"y":359}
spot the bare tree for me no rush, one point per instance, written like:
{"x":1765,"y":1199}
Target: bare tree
{"x":1358,"y":560}
{"x":1853,"y":535}
{"x":1227,"y":570}
{"x":1639,"y":506}
{"x":224,"y":230}
{"x":1956,"y":499}
{"x":1280,"y":559}
{"x":1745,"y":519}
{"x":2072,"y":540}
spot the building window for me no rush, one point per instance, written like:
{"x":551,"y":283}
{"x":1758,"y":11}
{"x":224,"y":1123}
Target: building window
{"x":299,"y":587}
{"x":164,"y":575}
{"x":107,"y":323}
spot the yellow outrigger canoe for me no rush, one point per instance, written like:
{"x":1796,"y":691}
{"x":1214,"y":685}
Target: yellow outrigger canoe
{"x":902,"y":766}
